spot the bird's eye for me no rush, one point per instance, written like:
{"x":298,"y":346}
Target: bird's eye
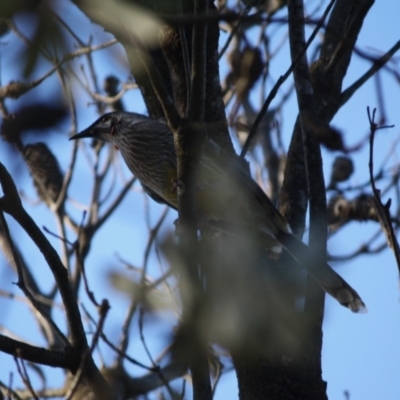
{"x":109,"y":123}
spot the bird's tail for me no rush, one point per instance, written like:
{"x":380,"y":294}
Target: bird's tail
{"x":324,"y":275}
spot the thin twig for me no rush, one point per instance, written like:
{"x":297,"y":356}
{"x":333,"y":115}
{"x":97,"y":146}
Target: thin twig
{"x":24,"y":375}
{"x":105,"y":339}
{"x":185,"y":56}
{"x":10,"y":393}
{"x":197,"y":102}
{"x":21,"y":282}
{"x":233,"y":31}
{"x":133,"y":306}
{"x":89,"y":351}
{"x":282,"y":79}
{"x":382,"y":210}
{"x":11,"y":204}
{"x":81,"y":266}
{"x":155,"y":366}
{"x":378,"y":63}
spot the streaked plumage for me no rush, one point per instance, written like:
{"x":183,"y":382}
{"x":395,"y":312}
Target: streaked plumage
{"x":225,"y":190}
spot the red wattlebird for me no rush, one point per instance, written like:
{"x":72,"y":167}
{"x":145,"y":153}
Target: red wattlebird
{"x":225,"y":191}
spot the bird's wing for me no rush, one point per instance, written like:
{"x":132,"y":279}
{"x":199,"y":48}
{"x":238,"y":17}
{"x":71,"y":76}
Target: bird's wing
{"x":276,"y":224}
{"x":222,"y":163}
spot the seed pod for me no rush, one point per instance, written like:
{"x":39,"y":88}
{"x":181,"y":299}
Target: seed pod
{"x":342,"y":210}
{"x":111,"y":84}
{"x":45,"y":171}
{"x":246,"y":68}
{"x":10,"y":131}
{"x":342,"y":169}
{"x":339,"y":209}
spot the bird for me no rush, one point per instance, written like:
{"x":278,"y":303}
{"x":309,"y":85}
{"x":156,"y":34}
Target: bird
{"x":224,"y":190}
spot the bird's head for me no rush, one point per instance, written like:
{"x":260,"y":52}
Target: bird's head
{"x":105,"y":128}
{"x":109,"y":126}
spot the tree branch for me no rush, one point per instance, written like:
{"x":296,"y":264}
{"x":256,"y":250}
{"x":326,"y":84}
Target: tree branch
{"x":315,"y":181}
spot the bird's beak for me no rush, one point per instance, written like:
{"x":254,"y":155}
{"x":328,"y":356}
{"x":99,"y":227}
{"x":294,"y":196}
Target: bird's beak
{"x":87,"y":133}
